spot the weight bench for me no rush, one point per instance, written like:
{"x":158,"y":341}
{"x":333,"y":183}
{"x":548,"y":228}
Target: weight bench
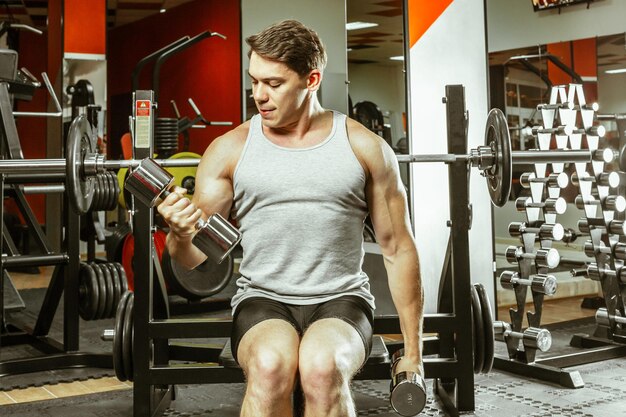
{"x":378,"y":356}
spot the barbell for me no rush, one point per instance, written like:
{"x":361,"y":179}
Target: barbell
{"x":495,"y":159}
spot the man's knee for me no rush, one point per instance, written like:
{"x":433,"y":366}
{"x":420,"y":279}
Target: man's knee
{"x":269,"y":364}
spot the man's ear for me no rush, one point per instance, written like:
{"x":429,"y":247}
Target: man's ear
{"x":314,"y":80}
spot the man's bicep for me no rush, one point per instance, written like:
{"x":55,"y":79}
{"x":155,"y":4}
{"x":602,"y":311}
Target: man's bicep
{"x":213,"y":186}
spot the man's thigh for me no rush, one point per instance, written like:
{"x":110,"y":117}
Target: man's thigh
{"x":262,"y":323}
{"x":341,"y":329}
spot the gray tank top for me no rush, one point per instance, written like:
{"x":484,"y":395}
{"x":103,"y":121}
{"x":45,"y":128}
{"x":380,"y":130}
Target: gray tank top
{"x":301,"y":213}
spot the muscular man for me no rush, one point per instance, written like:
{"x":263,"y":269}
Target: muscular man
{"x":300,"y":180}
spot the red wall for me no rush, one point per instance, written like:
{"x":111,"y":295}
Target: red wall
{"x":209,"y":71}
{"x":85,"y":26}
{"x":580,"y":55}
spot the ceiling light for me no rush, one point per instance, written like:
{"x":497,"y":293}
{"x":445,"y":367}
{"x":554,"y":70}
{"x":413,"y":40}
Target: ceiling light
{"x":397,"y":58}
{"x":162,"y":10}
{"x":360,"y":25}
{"x":616,"y":71}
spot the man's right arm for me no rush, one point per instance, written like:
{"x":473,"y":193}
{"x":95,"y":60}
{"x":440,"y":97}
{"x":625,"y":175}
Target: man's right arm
{"x":213,"y":194}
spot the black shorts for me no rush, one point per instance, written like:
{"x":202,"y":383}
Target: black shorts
{"x":351,"y":309}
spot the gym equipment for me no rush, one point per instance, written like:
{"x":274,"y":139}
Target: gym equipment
{"x":617,"y":227}
{"x":532,"y":337}
{"x":602,"y":318}
{"x":545,"y":231}
{"x":215,"y":237}
{"x":101,"y":286}
{"x":554,"y":180}
{"x":598,"y":273}
{"x":203,"y":281}
{"x":547,"y":258}
{"x":544,"y":284}
{"x":608,"y":203}
{"x":407,"y":389}
{"x":549,"y":205}
{"x":606,"y":179}
{"x":495,"y":158}
{"x":618,"y":250}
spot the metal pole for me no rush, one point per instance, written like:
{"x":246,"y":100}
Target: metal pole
{"x":553,"y":155}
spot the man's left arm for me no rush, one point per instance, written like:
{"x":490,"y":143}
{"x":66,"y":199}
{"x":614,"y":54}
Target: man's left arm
{"x":388,"y":208}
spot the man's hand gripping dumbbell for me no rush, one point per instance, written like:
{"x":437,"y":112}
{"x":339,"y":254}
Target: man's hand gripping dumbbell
{"x":151,"y":184}
{"x":408,"y":389}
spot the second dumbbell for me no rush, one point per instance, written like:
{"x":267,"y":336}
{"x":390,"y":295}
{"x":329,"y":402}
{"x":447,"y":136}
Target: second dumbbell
{"x":532,"y":337}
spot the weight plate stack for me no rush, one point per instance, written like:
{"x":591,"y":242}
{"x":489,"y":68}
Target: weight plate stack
{"x":101,"y":286}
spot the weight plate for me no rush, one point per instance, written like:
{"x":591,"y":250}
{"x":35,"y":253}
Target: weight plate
{"x":485,"y":307}
{"x":205,"y":280}
{"x":79,"y":143}
{"x":115,"y":242}
{"x":479,"y":333}
{"x":118,"y":351}
{"x":110,"y":292}
{"x":117,"y":285}
{"x":113,"y":191}
{"x":499,"y":175}
{"x":88,"y":301}
{"x":123,"y":277}
{"x":122,"y":194}
{"x":96,"y":204}
{"x":127,"y":345}
{"x":102,"y":290}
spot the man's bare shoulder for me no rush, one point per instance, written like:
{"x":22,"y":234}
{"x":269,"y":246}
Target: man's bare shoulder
{"x":369,"y":148}
{"x":231,"y":142}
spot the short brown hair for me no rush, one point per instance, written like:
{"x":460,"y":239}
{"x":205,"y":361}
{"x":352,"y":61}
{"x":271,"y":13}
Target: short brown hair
{"x":291,"y":43}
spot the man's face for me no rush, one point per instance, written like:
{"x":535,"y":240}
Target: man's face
{"x":279,"y":92}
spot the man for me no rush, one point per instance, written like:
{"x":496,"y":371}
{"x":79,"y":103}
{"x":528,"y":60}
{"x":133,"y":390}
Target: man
{"x":300,"y":181}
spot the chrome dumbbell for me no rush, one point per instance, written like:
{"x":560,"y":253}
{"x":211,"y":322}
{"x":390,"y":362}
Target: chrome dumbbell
{"x":551,"y":205}
{"x":617,"y":227}
{"x":603,"y":319}
{"x":559,"y":130}
{"x":407,"y":392}
{"x":546,"y":258}
{"x":553,"y":180}
{"x":606,"y":155}
{"x":618,"y":250}
{"x":595,"y":273}
{"x":609,"y":203}
{"x":545,"y":231}
{"x":607,"y":179}
{"x":597,"y":130}
{"x":545,"y":284}
{"x":215,"y":237}
{"x":532,"y":337}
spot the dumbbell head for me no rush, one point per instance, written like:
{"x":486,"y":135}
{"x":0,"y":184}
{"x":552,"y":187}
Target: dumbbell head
{"x":615,"y":203}
{"x":407,"y":393}
{"x":148,"y":182}
{"x":545,"y":284}
{"x":555,"y":205}
{"x":508,"y":279}
{"x":548,"y":258}
{"x":512,"y":254}
{"x":537,"y":338}
{"x":216,"y":237}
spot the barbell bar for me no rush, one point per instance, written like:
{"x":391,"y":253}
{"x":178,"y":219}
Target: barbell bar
{"x":494,"y":159}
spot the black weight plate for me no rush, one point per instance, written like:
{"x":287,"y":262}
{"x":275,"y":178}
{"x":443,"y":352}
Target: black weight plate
{"x":118,"y":351}
{"x":109,"y":308}
{"x":127,"y":337}
{"x":113,"y":191}
{"x":117,"y":285}
{"x":80,"y":188}
{"x":500,"y":175}
{"x":479,"y":333}
{"x":123,"y":278}
{"x":205,"y":280}
{"x":114,"y":244}
{"x":101,"y":291}
{"x":88,"y":302}
{"x":97,"y":198}
{"x":485,"y":306}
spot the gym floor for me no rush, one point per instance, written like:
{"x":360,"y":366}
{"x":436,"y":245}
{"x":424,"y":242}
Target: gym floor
{"x":492,"y":390}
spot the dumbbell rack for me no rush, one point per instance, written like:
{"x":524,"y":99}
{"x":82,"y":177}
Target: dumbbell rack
{"x":64,"y":280}
{"x":155,"y":377}
{"x":603,"y":224}
{"x":523,"y":361}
